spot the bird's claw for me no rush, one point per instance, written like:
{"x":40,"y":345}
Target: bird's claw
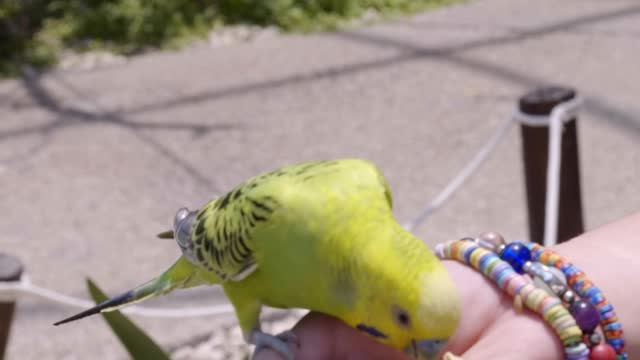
{"x":289,"y":337}
{"x":279,"y":343}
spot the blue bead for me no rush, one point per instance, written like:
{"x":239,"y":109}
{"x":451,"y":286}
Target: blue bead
{"x":591,"y":291}
{"x":612,"y":326}
{"x":467,"y":254}
{"x":616,"y":343}
{"x":484,"y":260}
{"x":605,"y":309}
{"x":596,"y":298}
{"x":516,"y":254}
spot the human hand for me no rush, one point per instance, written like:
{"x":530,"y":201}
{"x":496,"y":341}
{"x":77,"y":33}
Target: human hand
{"x":489,"y":328}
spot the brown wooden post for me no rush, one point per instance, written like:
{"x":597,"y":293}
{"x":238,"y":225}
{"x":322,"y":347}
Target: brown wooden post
{"x":10,"y":270}
{"x":535,"y":143}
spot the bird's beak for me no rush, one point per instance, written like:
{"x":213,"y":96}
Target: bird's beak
{"x":427,"y":349}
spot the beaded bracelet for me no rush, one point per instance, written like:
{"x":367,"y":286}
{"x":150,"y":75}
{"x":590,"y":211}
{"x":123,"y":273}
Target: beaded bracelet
{"x":485,"y":252}
{"x":579,"y":282}
{"x":514,"y":284}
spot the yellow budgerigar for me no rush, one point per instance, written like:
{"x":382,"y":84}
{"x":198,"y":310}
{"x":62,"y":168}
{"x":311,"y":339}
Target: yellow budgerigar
{"x":319,"y":236}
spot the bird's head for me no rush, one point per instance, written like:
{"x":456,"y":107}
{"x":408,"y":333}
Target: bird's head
{"x":414,"y":305}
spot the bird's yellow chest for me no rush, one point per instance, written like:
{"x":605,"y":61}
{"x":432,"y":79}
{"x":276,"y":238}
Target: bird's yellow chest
{"x":304,"y":276}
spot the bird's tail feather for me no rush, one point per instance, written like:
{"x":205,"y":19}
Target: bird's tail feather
{"x":182,"y":274}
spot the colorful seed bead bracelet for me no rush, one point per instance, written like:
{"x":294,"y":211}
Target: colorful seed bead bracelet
{"x":537,"y":300}
{"x":605,"y":315}
{"x":573,"y":319}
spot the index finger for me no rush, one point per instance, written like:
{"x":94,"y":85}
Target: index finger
{"x":322,"y":337}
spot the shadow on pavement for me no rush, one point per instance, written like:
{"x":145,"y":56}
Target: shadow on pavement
{"x":65,"y":116}
{"x":70,"y":116}
{"x":411,"y":52}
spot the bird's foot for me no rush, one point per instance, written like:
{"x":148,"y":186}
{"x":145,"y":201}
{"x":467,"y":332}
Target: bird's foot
{"x":279,"y":343}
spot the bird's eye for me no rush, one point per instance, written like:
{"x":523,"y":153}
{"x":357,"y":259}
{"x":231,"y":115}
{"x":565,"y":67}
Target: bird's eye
{"x":401,"y":316}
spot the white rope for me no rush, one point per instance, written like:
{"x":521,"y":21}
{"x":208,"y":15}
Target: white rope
{"x":553,"y":179}
{"x":560,"y":114}
{"x":481,"y":156}
{"x":570,"y":108}
{"x":10,"y":291}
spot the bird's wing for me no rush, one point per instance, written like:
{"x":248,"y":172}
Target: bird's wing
{"x":224,"y":231}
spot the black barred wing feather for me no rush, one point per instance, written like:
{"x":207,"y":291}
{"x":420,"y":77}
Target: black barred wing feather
{"x":223,"y":234}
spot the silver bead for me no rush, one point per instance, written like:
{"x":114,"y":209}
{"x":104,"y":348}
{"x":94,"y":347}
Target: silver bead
{"x":490,"y":240}
{"x":558,"y":274}
{"x":555,"y":279}
{"x":492,"y":237}
{"x":551,"y":289}
{"x":527,"y":267}
{"x":558,"y":289}
{"x":535,"y":269}
{"x":569,"y":297}
{"x":595,"y":339}
{"x":542,"y":285}
{"x":500,"y":249}
{"x":549,"y":279}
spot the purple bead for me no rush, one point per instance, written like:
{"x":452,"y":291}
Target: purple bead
{"x":516,"y":254}
{"x":586,"y":315}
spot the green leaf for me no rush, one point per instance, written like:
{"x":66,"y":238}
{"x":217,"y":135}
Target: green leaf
{"x":138,"y":344}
